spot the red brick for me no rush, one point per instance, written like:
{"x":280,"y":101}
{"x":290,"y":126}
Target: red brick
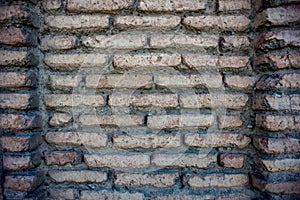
{"x":64,"y":82}
{"x":212,"y":22}
{"x":183,"y":41}
{"x":277,"y":61}
{"x":233,"y":197}
{"x":51,"y":4}
{"x":11,"y":80}
{"x":23,"y":182}
{"x":272,"y":102}
{"x":78,"y":22}
{"x":235,"y":43}
{"x":227,"y":5}
{"x":94,"y":140}
{"x":279,"y":165}
{"x":186,"y":160}
{"x":240,"y":82}
{"x":61,"y":158}
{"x":183,"y":81}
{"x":21,"y":162}
{"x":278,"y":122}
{"x":179,"y":121}
{"x":20,"y":143}
{"x":118,"y":41}
{"x":77,"y":176}
{"x":17,"y":58}
{"x":161,"y":180}
{"x":134,"y":161}
{"x":277,"y":145}
{"x":225,"y":122}
{"x":67,"y":194}
{"x":162,"y":21}
{"x":19,"y":122}
{"x":217,"y":180}
{"x":235,"y":161}
{"x":58,"y":42}
{"x":182,"y":197}
{"x":60,"y":119}
{"x":279,"y":81}
{"x":111,"y":120}
{"x":17,"y":36}
{"x":169,"y":5}
{"x":212,"y":140}
{"x":116,"y":81}
{"x":104,"y":194}
{"x":155,"y":100}
{"x":18,"y":101}
{"x":98,"y":5}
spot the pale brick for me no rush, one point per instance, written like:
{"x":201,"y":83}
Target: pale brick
{"x":169,"y":5}
{"x":277,"y":61}
{"x":77,"y":176}
{"x":179,"y":121}
{"x":73,"y":100}
{"x":60,"y":119}
{"x":117,"y":161}
{"x":115,"y":42}
{"x":67,"y":194}
{"x":17,"y":36}
{"x":98,"y":5}
{"x":279,"y":81}
{"x":217,"y":180}
{"x":183,"y":197}
{"x":62,"y":82}
{"x":11,"y":80}
{"x":278,"y":122}
{"x":19,"y":122}
{"x":20,"y":143}
{"x":280,"y":165}
{"x":231,"y":101}
{"x":94,"y":140}
{"x":58,"y":42}
{"x":186,"y":160}
{"x":18,"y":101}
{"x":109,"y":195}
{"x":212,"y":140}
{"x":51,"y":4}
{"x":78,"y":22}
{"x":182,"y":81}
{"x":235,"y":43}
{"x":224,"y":23}
{"x":155,"y":100}
{"x":240,"y":82}
{"x":162,"y":21}
{"x":233,"y":197}
{"x":76,"y":60}
{"x":115,"y":81}
{"x":111,"y":120}
{"x":235,"y":161}
{"x":183,"y":41}
{"x":228,"y":5}
{"x":277,"y":145}
{"x":161,"y":180}
{"x":235,"y":62}
{"x":225,"y":122}
{"x":21,"y":162}
{"x":61,"y":158}
{"x":23,"y":182}
{"x":272,"y":102}
{"x":17,"y":58}
{"x":148,"y":141}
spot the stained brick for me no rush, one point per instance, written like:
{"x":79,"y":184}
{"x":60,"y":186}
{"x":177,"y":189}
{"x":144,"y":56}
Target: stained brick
{"x":51,"y":4}
{"x":235,"y":161}
{"x":277,"y":61}
{"x":62,"y":158}
{"x":19,"y":122}
{"x":240,"y":82}
{"x":277,"y":145}
{"x":235,"y":43}
{"x":58,"y":42}
{"x":279,"y":81}
{"x":278,"y":122}
{"x":18,"y":101}
{"x":228,"y":5}
{"x":77,"y":176}
{"x":98,"y":5}
{"x":182,"y":197}
{"x":105,"y":194}
{"x":62,"y":193}
{"x":60,"y":119}
{"x":272,"y":102}
{"x":280,"y":165}
{"x":17,"y":36}
{"x":23,"y":182}
{"x":169,"y":5}
{"x":64,"y":82}
{"x":20,"y":143}
{"x":225,"y":122}
{"x":11,"y":80}
{"x":21,"y":162}
{"x":17,"y":58}
{"x":111,"y":120}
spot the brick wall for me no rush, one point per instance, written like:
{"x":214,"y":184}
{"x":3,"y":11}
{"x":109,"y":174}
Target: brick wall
{"x":150,"y":99}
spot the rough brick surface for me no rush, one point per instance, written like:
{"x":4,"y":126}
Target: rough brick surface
{"x":225,"y":122}
{"x":77,"y":176}
{"x":235,"y":43}
{"x":279,"y":81}
{"x":61,"y":82}
{"x":104,"y":194}
{"x":277,"y":61}
{"x":227,"y":5}
{"x":60,"y":119}
{"x":17,"y":58}
{"x":18,"y":101}
{"x":168,"y":5}
{"x":111,"y":120}
{"x":58,"y":42}
{"x":277,"y":145}
{"x":240,"y":82}
{"x":20,"y":143}
{"x":23,"y":182}
{"x":62,"y":193}
{"x":16,"y":80}
{"x":272,"y":165}
{"x":51,"y":4}
{"x":232,"y":160}
{"x":97,"y":5}
{"x":271,"y":102}
{"x":17,"y":36}
{"x":19,"y":122}
{"x":278,"y":122}
{"x":17,"y":163}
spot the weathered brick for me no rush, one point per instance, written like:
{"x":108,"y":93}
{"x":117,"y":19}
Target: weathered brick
{"x":153,"y":141}
{"x":73,"y":100}
{"x":162,"y":21}
{"x":60,"y":119}
{"x":235,"y":161}
{"x":182,"y":81}
{"x":95,"y":140}
{"x":225,"y":122}
{"x":235,"y":62}
{"x":18,"y":101}
{"x":279,"y":81}
{"x":179,"y":121}
{"x":11,"y":80}
{"x":183,"y":197}
{"x":20,"y":143}
{"x":169,"y":5}
{"x":21,"y":162}
{"x":231,"y":101}
{"x":23,"y":182}
{"x":273,"y":16}
{"x":58,"y":42}
{"x":227,"y":5}
{"x":19,"y":122}
{"x":115,"y":81}
{"x":135,"y":161}
{"x":201,"y":161}
{"x":183,"y":41}
{"x":119,"y":41}
{"x":17,"y":58}
{"x":278,"y":122}
{"x":235,"y":43}
{"x":277,"y":145}
{"x":272,"y":102}
{"x":279,"y":165}
{"x":110,"y":195}
{"x":64,"y":82}
{"x":240,"y":82}
{"x":17,"y":36}
{"x":77,"y":22}
{"x":212,"y":22}
{"x":98,"y":5}
{"x":161,"y":180}
{"x":211,"y":140}
{"x":155,"y":100}
{"x":233,"y":197}
{"x":51,"y":4}
{"x":77,"y":176}
{"x":129,"y":61}
{"x":277,"y":61}
{"x":217,"y":180}
{"x":62,"y":193}
{"x":76,"y":60}
{"x":111,"y":120}
{"x":62,"y":158}
{"x":279,"y":2}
